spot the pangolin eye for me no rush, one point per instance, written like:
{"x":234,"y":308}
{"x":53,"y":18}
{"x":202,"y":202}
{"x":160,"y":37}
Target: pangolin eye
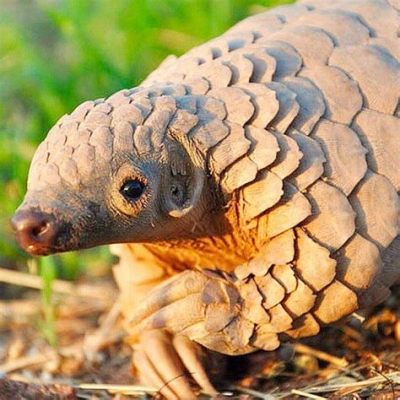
{"x":132,"y":189}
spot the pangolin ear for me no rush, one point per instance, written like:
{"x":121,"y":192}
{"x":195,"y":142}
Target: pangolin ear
{"x":186,"y":175}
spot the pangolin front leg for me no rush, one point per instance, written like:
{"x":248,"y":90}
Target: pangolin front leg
{"x":170,"y":363}
{"x":205,"y":306}
{"x":163,"y":361}
{"x":211,"y":308}
{"x":275,"y":296}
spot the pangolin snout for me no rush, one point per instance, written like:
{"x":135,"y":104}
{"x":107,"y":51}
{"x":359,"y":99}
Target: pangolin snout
{"x":36,"y":231}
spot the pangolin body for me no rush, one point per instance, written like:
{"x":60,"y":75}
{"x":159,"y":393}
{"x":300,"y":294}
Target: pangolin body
{"x":295,"y":116}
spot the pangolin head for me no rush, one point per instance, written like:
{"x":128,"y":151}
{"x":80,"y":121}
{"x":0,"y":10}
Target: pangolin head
{"x":113,"y":171}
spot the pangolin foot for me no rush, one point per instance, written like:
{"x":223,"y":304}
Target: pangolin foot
{"x":170,"y":364}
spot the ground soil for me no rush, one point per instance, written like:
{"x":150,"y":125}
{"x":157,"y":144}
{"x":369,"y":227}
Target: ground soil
{"x":356,"y":360}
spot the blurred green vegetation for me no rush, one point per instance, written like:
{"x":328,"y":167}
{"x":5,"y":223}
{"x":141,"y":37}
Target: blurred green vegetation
{"x":54,"y":54}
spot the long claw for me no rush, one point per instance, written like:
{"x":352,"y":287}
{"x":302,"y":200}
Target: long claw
{"x":188,"y":352}
{"x":173,"y":290}
{"x":149,"y":376}
{"x":157,"y":346}
{"x":174,"y":317}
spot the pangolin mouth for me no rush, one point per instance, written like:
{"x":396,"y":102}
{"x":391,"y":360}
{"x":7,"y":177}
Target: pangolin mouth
{"x":38,"y":250}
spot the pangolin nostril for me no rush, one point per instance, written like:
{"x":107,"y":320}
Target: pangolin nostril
{"x":38,"y":231}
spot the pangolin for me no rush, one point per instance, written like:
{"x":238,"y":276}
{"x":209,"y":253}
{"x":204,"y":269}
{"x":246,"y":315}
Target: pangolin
{"x":250,"y":186}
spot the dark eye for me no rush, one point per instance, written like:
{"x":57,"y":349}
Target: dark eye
{"x":132,"y":189}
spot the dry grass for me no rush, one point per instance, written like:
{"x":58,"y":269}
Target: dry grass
{"x":354,"y":361}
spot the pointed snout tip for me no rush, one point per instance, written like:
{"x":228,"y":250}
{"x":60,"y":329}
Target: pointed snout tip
{"x":35,"y":231}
